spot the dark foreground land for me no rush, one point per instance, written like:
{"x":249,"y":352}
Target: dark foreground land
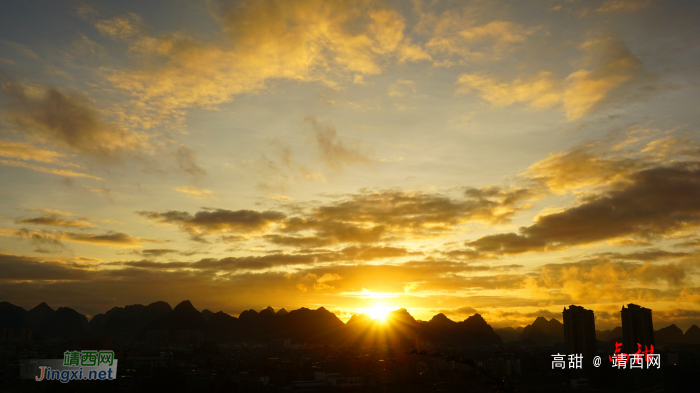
{"x":275,"y":367}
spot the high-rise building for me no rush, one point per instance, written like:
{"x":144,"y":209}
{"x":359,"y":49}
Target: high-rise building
{"x":579,"y":332}
{"x":6,"y":336}
{"x":637,"y":328}
{"x":27,"y":335}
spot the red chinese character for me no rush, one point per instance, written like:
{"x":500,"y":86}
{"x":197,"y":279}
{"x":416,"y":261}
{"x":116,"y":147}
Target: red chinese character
{"x":648,"y":353}
{"x":617,"y":350}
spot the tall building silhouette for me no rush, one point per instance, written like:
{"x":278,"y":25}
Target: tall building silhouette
{"x":6,"y":336}
{"x":637,"y":327}
{"x":579,"y":331}
{"x":27,"y":335}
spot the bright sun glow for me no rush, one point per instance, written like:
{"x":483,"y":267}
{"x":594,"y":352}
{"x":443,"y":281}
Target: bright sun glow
{"x":379,"y":312}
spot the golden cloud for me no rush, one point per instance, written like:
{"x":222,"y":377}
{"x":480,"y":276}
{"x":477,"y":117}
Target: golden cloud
{"x":109,"y":238}
{"x":334,"y":152}
{"x":308,"y":40}
{"x":55,"y":221}
{"x":194,"y":192}
{"x":214,"y":221}
{"x":611,"y":65}
{"x":651,"y":203}
{"x":68,"y":120}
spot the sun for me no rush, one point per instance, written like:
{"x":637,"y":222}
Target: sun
{"x":379,"y":312}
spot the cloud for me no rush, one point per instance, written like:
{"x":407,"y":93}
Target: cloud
{"x":650,"y":204}
{"x":109,"y":238}
{"x":21,"y":49}
{"x":602,"y":163}
{"x":613,"y":65}
{"x":186,"y":161}
{"x":459,"y":35}
{"x":69,"y":120}
{"x":602,"y":280}
{"x":247,"y":281}
{"x":157,"y":252}
{"x":412,"y":287}
{"x":121,"y":27}
{"x":432,"y":276}
{"x":582,"y":166}
{"x":85,"y":46}
{"x":608,"y":65}
{"x":21,"y":268}
{"x":213,"y":221}
{"x":275,"y":176}
{"x":27,"y":152}
{"x":622,"y":5}
{"x":400,"y":88}
{"x":53,"y":171}
{"x":86,"y":11}
{"x":649,"y":255}
{"x":30,"y":281}
{"x":689,"y":243}
{"x":540,"y":91}
{"x":228,"y":264}
{"x":308,"y":40}
{"x":603,"y":272}
{"x":55,"y":221}
{"x":388,"y":215}
{"x":334,"y":152}
{"x":44,"y":242}
{"x":55,"y":212}
{"x":416,"y":212}
{"x":194,"y":192}
{"x":311,"y":280}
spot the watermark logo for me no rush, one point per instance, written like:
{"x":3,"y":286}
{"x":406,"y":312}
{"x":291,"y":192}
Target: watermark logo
{"x":76,"y":365}
{"x":575,"y":361}
{"x":619,"y":359}
{"x":88,"y":358}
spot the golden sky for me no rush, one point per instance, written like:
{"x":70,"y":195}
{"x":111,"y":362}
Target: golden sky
{"x":502,"y":157}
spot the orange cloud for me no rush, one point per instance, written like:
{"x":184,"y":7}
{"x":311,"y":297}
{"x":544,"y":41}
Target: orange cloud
{"x":68,"y":120}
{"x":609,"y":65}
{"x":308,"y":40}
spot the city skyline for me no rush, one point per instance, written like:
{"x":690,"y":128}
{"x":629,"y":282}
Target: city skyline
{"x":498,"y":158}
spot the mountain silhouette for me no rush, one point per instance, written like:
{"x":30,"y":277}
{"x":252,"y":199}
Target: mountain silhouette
{"x":473,"y":331}
{"x":543,"y":332}
{"x":38,"y":314}
{"x":509,"y":334}
{"x":65,"y":323}
{"x":692,"y":335}
{"x":303,"y":325}
{"x":312,"y":326}
{"x":222,"y":327}
{"x":13,"y":317}
{"x":207,"y":314}
{"x":127,"y":321}
{"x":669,"y":335}
{"x":441,"y":320}
{"x":183,"y":317}
{"x":608,"y":336}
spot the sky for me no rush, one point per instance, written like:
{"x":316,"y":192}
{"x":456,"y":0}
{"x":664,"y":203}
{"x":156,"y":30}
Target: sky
{"x":502,"y":157}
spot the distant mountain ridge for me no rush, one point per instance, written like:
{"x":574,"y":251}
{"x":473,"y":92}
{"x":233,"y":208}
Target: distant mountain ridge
{"x":543,"y":332}
{"x":134,"y":322}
